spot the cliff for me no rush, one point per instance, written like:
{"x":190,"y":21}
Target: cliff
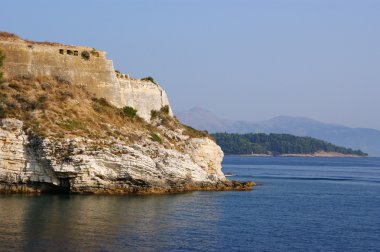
{"x":64,"y":127}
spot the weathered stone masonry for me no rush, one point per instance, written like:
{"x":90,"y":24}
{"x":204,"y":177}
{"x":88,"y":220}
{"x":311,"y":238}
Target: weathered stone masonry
{"x":82,"y":66}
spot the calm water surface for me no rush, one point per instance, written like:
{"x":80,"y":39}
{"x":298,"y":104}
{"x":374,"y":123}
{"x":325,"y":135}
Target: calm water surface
{"x":303,"y":204}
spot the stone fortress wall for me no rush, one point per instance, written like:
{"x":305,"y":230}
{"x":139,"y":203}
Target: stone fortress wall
{"x":80,"y":65}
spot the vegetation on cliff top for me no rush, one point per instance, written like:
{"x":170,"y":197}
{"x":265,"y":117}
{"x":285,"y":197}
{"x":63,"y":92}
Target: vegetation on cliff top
{"x":149,"y":78}
{"x":12,"y":36}
{"x":162,"y":117}
{"x":277,"y":144}
{"x":59,"y":109}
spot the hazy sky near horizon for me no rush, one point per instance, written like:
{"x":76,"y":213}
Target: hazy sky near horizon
{"x":241,"y":59}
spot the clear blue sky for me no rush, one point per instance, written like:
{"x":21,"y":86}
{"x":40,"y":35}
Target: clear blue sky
{"x":248,"y":60}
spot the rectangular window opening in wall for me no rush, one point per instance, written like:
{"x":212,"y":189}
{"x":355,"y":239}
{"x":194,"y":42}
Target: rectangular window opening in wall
{"x":61,"y":51}
{"x":75,"y":53}
{"x":69,"y":52}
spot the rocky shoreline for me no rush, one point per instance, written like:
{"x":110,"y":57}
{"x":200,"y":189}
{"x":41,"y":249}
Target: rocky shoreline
{"x":83,"y":166}
{"x":41,"y":188}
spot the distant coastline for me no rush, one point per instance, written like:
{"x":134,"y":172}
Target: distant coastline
{"x":317,"y":154}
{"x":366,"y":139}
{"x":280,"y":145}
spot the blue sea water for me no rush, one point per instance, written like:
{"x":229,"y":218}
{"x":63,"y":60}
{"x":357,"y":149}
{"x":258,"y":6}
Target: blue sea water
{"x":301,"y":204}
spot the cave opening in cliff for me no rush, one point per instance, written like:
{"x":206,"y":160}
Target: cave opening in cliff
{"x":64,"y":185}
{"x":61,"y":51}
{"x":69,"y":52}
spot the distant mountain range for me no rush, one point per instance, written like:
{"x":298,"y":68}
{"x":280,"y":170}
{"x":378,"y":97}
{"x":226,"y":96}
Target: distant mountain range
{"x":367,"y":140}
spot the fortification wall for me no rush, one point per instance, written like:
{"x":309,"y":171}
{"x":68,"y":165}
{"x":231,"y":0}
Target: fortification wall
{"x":67,"y":63}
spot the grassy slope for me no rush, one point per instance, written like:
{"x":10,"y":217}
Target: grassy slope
{"x":59,"y":109}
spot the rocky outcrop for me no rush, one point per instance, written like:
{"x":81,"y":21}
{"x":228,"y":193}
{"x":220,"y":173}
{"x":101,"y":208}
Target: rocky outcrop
{"x":20,"y":166}
{"x":82,"y":165}
{"x":56,"y":134}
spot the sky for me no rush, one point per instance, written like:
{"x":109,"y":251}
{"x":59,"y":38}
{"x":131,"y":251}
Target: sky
{"x":241,"y":59}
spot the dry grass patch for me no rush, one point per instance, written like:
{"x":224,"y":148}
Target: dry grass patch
{"x":59,"y":109}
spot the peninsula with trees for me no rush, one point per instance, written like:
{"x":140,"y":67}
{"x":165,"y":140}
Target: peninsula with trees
{"x":280,"y":145}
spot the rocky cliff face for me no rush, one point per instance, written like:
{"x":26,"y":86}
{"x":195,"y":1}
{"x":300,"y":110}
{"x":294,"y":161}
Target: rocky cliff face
{"x":83,"y":165}
{"x":56,"y":136}
{"x":145,"y":96}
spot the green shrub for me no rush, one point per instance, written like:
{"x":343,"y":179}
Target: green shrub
{"x":154,"y":137}
{"x":154,"y":114}
{"x":10,"y":105}
{"x":149,"y":78}
{"x":42,"y":102}
{"x":2,"y":111}
{"x":15,"y":86}
{"x":101,"y":101}
{"x":191,"y":132}
{"x":85,"y":55}
{"x":129,"y":111}
{"x":42,"y":98}
{"x":64,"y":95}
{"x":2,"y":57}
{"x":165,"y":109}
{"x":101,"y":105}
{"x":26,"y":103}
{"x":45,"y":86}
{"x":62,"y":80}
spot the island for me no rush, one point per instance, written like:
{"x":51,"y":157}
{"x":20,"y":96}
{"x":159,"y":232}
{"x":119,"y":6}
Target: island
{"x":280,"y":145}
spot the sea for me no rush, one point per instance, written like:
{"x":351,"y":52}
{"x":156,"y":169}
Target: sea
{"x":299,"y":204}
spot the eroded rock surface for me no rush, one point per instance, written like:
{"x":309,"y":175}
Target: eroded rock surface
{"x":86,"y":166}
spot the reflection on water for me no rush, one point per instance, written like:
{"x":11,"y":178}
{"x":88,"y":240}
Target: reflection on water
{"x":82,"y":223}
{"x":304,"y":204}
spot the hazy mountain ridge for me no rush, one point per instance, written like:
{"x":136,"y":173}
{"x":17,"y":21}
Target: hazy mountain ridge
{"x":365,"y":139}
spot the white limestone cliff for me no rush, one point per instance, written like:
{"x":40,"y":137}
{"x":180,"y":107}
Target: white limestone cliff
{"x":144,"y":96}
{"x":30,"y":165}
